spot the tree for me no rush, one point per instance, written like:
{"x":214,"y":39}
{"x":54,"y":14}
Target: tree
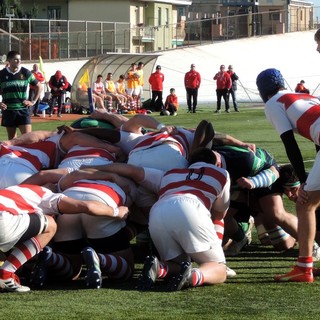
{"x":15,"y":7}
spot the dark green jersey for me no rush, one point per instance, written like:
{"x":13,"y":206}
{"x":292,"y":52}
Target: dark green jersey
{"x":14,"y":87}
{"x":242,"y":162}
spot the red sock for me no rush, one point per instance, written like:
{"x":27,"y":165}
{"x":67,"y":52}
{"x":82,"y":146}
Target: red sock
{"x":305,"y":263}
{"x":197,"y":277}
{"x":163,"y":270}
{"x":219,"y":227}
{"x":21,"y":254}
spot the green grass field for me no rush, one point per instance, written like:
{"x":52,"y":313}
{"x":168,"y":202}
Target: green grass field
{"x":251,"y":295}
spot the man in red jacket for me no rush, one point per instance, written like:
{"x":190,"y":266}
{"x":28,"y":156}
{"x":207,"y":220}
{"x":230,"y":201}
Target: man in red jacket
{"x":192,"y":80}
{"x":156,"y":81}
{"x":224,"y":84}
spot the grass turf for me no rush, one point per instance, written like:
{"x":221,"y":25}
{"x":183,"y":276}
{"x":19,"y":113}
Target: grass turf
{"x":251,"y":295}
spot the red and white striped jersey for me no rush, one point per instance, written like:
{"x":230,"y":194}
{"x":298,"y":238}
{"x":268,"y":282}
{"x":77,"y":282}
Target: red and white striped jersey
{"x":202,"y":180}
{"x":295,"y":111}
{"x":183,"y":138}
{"x":37,"y":156}
{"x":28,"y":199}
{"x":108,"y":191}
{"x":77,"y":152}
{"x":99,"y":87}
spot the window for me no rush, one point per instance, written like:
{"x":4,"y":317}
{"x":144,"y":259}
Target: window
{"x":167,"y":16}
{"x":54,"y":13}
{"x":159,"y":17}
{"x":274,"y":15}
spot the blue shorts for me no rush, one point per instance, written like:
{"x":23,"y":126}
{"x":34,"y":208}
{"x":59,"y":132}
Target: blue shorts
{"x":15,"y":118}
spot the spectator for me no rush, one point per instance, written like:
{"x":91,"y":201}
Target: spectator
{"x":192,"y":80}
{"x":133,"y":85}
{"x":99,"y":90}
{"x":83,"y":97}
{"x":141,"y":83}
{"x":121,"y":89}
{"x":14,"y":81}
{"x":171,"y":104}
{"x":58,"y":84}
{"x":301,"y":88}
{"x":156,"y":81}
{"x":111,"y":90}
{"x":224,"y":84}
{"x":234,"y":87}
{"x":32,"y":89}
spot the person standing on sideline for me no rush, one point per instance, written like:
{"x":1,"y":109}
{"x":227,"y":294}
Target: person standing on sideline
{"x":234,"y":87}
{"x":32,"y":89}
{"x":141,"y":83}
{"x":14,"y":82}
{"x":224,"y":84}
{"x":192,"y":81}
{"x":156,"y":81}
{"x":58,"y":84}
{"x":291,"y":113}
{"x":133,"y":85}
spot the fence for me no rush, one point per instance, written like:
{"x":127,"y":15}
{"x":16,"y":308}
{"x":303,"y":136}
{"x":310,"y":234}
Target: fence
{"x":70,"y":39}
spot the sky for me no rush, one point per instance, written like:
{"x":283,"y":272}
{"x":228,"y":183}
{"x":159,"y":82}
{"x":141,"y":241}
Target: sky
{"x":316,"y":11}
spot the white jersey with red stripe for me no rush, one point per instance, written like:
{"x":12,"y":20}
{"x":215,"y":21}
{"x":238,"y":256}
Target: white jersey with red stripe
{"x":99,"y":87}
{"x":108,"y":191}
{"x":74,"y":227}
{"x":28,"y":199}
{"x":17,"y":203}
{"x":295,"y":111}
{"x":183,"y":138}
{"x":78,"y":155}
{"x":36,"y":156}
{"x":201,"y":180}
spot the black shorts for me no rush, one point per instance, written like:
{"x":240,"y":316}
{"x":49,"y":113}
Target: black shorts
{"x":117,"y":242}
{"x":15,"y":118}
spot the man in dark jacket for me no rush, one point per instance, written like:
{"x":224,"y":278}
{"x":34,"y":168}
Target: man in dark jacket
{"x":58,"y":84}
{"x":234,"y":88}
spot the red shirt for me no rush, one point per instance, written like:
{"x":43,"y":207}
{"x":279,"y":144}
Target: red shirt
{"x":39,"y":76}
{"x":156,"y":81}
{"x":171,"y":99}
{"x":301,"y":88}
{"x":192,"y":79}
{"x":223,"y":80}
